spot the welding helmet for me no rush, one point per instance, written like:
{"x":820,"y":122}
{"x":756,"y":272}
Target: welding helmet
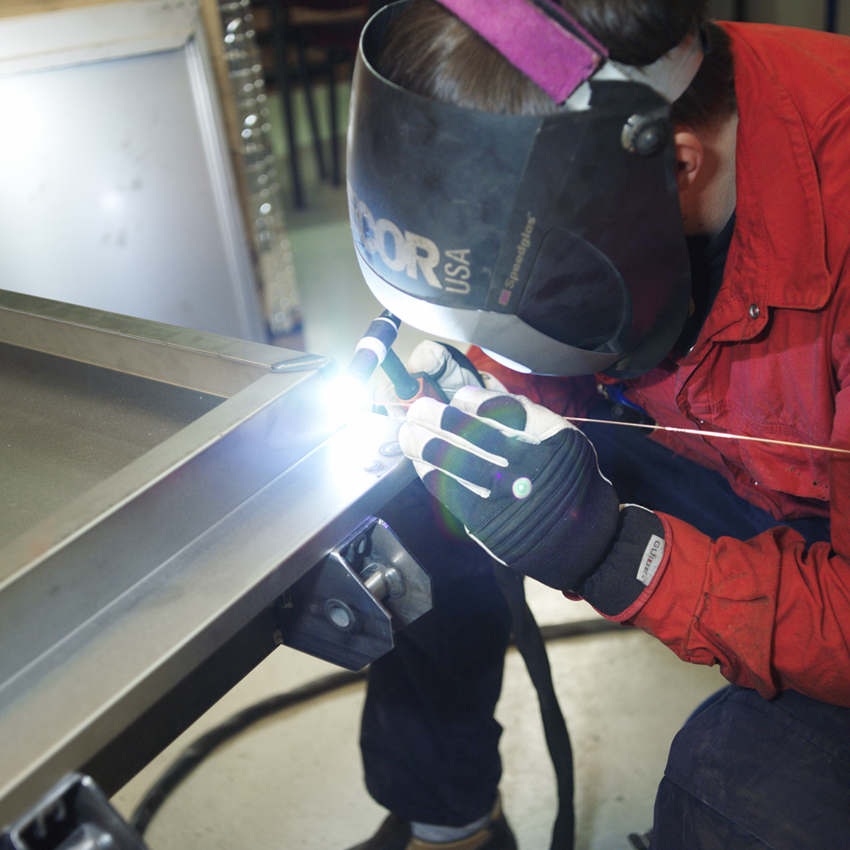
{"x":554,"y":242}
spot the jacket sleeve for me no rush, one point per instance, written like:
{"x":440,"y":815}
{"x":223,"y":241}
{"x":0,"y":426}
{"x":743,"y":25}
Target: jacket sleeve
{"x":564,"y":396}
{"x":771,"y":612}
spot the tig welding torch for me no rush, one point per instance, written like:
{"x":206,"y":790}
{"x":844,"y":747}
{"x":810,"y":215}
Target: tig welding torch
{"x":374,"y":346}
{"x":375,"y":349}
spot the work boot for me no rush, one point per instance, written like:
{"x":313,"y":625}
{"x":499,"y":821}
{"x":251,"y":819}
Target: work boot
{"x":395,"y":834}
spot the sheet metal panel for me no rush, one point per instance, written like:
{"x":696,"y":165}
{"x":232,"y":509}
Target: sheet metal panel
{"x":152,"y":554}
{"x":117,"y":189}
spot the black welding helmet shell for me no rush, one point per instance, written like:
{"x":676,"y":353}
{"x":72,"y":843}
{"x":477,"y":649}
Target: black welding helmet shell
{"x":548,"y":241}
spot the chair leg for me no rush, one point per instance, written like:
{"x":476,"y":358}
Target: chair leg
{"x":306,"y":85}
{"x":294,"y":168}
{"x":288,"y":114}
{"x":336,"y":177}
{"x":831,"y":16}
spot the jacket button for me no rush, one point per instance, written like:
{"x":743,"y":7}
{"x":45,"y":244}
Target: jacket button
{"x":754,"y":311}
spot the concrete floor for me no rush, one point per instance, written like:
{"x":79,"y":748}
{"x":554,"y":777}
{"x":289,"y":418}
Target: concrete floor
{"x":295,"y":780}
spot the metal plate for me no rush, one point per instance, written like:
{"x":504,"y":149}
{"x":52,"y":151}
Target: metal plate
{"x":149,"y":554}
{"x":73,"y":425}
{"x":121,"y":193}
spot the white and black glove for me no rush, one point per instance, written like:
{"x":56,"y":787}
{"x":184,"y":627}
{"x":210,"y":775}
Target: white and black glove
{"x":526,"y":485}
{"x":446,"y":366}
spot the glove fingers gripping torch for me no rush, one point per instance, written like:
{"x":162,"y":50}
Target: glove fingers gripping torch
{"x":375,"y":349}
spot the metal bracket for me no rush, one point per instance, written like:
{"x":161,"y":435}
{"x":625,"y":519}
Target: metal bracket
{"x":74,"y":815}
{"x":347,"y":607}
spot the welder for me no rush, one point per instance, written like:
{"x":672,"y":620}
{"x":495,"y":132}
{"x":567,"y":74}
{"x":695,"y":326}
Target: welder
{"x":619,"y":195}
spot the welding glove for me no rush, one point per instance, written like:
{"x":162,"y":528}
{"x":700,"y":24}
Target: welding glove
{"x":527,"y":487}
{"x":447,"y":367}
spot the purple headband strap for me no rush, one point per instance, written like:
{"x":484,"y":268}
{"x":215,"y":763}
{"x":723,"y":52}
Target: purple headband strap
{"x":548,"y":46}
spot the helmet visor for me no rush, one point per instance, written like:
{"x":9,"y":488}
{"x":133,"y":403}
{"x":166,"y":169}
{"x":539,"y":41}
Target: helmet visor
{"x":543,"y":239}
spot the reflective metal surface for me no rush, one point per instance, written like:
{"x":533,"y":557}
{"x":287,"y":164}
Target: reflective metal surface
{"x":117,"y":189}
{"x":75,"y":815}
{"x":152,"y":541}
{"x":346,"y":609}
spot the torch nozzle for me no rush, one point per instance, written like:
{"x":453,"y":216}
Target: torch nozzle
{"x":373,"y":348}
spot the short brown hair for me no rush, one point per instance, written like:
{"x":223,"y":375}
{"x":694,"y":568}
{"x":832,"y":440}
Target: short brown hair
{"x":430,"y":51}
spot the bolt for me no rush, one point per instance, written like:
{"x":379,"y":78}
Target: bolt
{"x":645,"y":135}
{"x":340,"y":615}
{"x":383,"y":581}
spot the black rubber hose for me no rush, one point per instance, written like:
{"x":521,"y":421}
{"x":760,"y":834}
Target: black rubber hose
{"x":203,"y":746}
{"x":528,"y":639}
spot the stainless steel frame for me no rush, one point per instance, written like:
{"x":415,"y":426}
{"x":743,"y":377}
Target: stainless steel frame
{"x":159,"y":490}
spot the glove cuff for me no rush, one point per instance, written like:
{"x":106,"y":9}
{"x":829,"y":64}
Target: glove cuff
{"x":630,"y":565}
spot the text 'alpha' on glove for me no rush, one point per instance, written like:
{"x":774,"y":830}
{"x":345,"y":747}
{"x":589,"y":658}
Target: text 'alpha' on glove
{"x":526,"y":485}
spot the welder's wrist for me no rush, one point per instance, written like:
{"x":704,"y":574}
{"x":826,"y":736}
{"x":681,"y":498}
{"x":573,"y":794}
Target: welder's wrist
{"x":630,"y":565}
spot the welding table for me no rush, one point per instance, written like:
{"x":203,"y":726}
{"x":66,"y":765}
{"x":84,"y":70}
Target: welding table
{"x":161,"y":490}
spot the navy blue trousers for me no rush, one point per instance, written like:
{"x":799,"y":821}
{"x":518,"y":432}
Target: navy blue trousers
{"x":743,"y":772}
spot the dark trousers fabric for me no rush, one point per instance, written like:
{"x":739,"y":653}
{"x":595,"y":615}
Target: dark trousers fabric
{"x":430,"y":742}
{"x":745,"y":772}
{"x":428,"y":735}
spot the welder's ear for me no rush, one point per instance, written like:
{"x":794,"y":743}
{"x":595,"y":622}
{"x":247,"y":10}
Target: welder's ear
{"x":690,"y":157}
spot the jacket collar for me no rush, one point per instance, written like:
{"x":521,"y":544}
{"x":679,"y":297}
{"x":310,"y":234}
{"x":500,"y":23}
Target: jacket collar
{"x":778,"y":253}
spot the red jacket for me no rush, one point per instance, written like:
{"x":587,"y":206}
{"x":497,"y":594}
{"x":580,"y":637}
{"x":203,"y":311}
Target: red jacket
{"x":773,"y":360}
